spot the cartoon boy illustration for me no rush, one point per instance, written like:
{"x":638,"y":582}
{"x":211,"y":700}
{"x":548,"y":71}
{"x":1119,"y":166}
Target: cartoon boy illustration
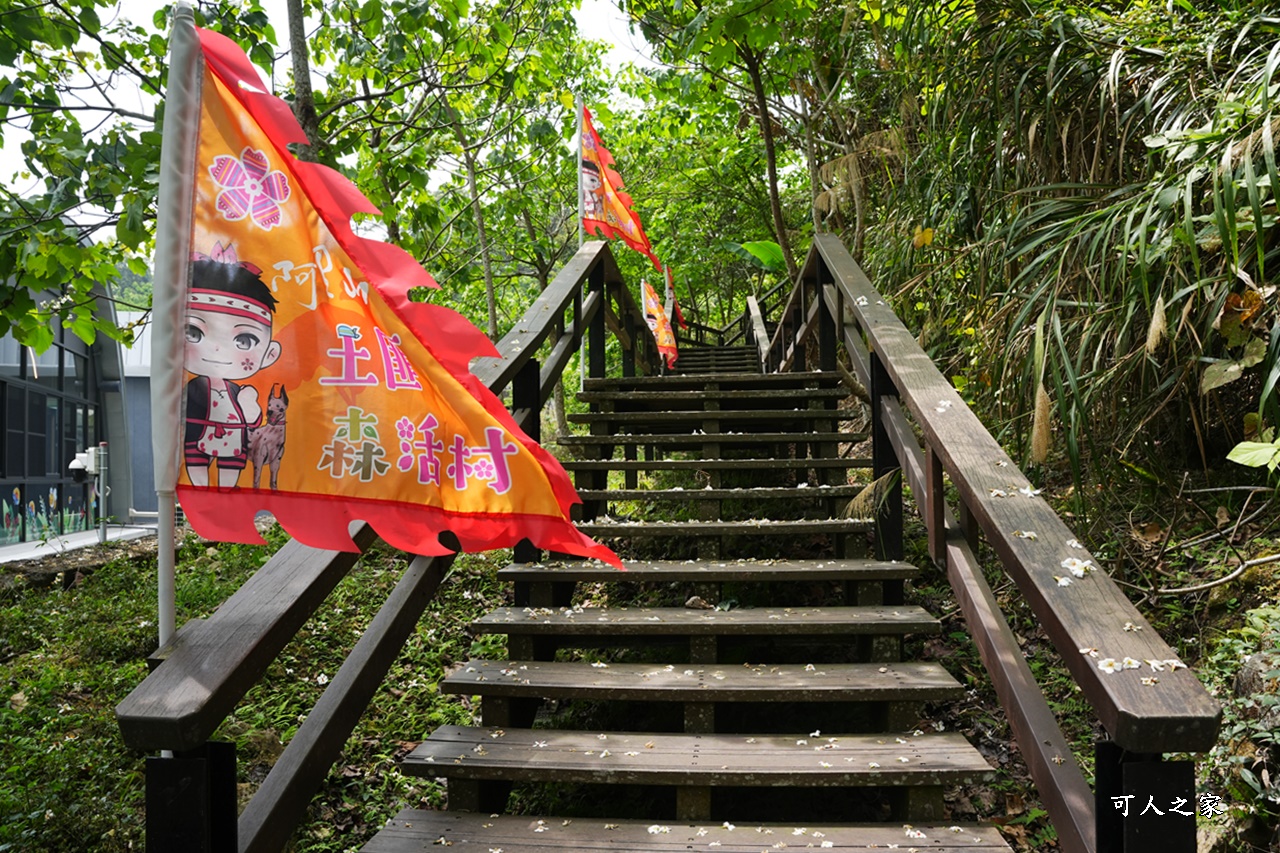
{"x":592,"y":196}
{"x":228,"y":339}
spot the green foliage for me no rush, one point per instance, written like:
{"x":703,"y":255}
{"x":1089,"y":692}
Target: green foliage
{"x":1241,"y":765}
{"x":1256,"y":454}
{"x":765,"y":254}
{"x":1111,"y":170}
{"x":82,"y":204}
{"x":68,"y":657}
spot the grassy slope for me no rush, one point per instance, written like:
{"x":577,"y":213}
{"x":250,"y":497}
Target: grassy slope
{"x":67,"y":657}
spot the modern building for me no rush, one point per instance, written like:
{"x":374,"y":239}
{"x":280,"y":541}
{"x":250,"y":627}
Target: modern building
{"x":54,"y":404}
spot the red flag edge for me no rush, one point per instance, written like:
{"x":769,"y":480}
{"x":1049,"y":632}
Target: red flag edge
{"x":392,"y":272}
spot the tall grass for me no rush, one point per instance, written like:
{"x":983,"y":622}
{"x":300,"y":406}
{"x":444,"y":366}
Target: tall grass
{"x":1108,"y":169}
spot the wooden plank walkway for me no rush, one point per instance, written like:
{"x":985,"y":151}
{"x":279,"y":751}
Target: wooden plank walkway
{"x":415,"y":831}
{"x":649,"y":689}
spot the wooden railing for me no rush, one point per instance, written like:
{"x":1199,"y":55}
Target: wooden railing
{"x":1147,"y":709}
{"x":737,"y":330}
{"x":210,"y":665}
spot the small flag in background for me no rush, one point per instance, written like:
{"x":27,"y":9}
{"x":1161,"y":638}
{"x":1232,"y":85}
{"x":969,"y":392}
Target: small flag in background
{"x":673,"y":306}
{"x":297,"y":375}
{"x":606,"y":210}
{"x":659,"y":324}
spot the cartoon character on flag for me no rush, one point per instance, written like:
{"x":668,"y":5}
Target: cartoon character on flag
{"x":606,"y":209}
{"x":658,"y":323}
{"x":269,"y":301}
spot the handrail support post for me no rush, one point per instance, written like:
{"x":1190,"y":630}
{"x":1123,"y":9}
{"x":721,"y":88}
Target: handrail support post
{"x":936,"y":507}
{"x":596,"y":331}
{"x":826,"y":322}
{"x":1143,"y":802}
{"x":884,"y":461}
{"x":526,"y":395}
{"x":191,"y":800}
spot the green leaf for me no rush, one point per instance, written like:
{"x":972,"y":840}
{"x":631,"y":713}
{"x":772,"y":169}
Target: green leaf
{"x":81,"y":323}
{"x":1220,"y":373}
{"x":1255,"y":454}
{"x":1254,"y":352}
{"x":764,"y":254}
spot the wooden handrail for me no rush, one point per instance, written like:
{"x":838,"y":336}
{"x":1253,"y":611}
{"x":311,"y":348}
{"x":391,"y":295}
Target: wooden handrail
{"x":1045,"y":749}
{"x":1145,"y":712}
{"x":212,"y":663}
{"x":1176,"y":714}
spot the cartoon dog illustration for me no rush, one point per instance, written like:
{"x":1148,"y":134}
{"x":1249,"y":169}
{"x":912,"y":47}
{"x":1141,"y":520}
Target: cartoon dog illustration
{"x":266,"y":442}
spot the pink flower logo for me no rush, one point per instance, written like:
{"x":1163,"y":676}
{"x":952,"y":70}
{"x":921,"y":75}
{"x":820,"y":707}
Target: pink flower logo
{"x":247,"y":187}
{"x":484,"y":470}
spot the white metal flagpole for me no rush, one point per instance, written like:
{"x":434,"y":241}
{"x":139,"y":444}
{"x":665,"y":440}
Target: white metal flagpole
{"x":172,"y":269}
{"x":582,"y":238}
{"x":670,"y":308}
{"x":582,"y":208}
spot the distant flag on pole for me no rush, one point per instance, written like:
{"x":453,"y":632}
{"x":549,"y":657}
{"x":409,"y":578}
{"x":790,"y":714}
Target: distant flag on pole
{"x":297,"y":375}
{"x":658,"y":323}
{"x":673,"y":306}
{"x":606,"y":210}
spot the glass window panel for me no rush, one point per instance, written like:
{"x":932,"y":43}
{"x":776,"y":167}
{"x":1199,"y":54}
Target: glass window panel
{"x":36,"y":435}
{"x":40,"y":518}
{"x":11,"y":515}
{"x":73,"y":508}
{"x":76,"y":375}
{"x":10,"y":357}
{"x":15,"y":419}
{"x":45,"y":369}
{"x":55,"y":508}
{"x":52,"y":408}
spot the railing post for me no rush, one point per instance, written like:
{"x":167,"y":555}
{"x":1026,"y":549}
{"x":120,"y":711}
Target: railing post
{"x":796,"y":319}
{"x":1143,"y":803}
{"x":826,"y":323}
{"x":629,"y":351}
{"x":526,"y":394}
{"x":191,"y":801}
{"x":596,"y":331}
{"x":935,"y":508}
{"x":884,"y":462}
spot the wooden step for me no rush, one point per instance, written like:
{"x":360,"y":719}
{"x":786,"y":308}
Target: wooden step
{"x":832,"y":682}
{"x":689,"y":398}
{"x":723,"y":381}
{"x":710,"y":571}
{"x":726,"y":365}
{"x":647,"y":758}
{"x":790,"y":493}
{"x":698,"y":439}
{"x":720,"y":416}
{"x":614,"y":528}
{"x":417,"y":831}
{"x":640,"y":622}
{"x":712,"y":464}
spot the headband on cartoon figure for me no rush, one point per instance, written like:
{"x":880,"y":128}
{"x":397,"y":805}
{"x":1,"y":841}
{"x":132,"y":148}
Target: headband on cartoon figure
{"x":205,"y":299}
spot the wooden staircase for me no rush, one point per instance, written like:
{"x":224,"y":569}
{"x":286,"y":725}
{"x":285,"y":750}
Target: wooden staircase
{"x":740,"y":687}
{"x":718,"y":359}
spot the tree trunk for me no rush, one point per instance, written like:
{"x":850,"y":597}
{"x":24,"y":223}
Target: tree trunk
{"x":304,"y":102}
{"x":810,"y":154}
{"x":542,"y":270}
{"x":469,"y":160}
{"x":770,"y":158}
